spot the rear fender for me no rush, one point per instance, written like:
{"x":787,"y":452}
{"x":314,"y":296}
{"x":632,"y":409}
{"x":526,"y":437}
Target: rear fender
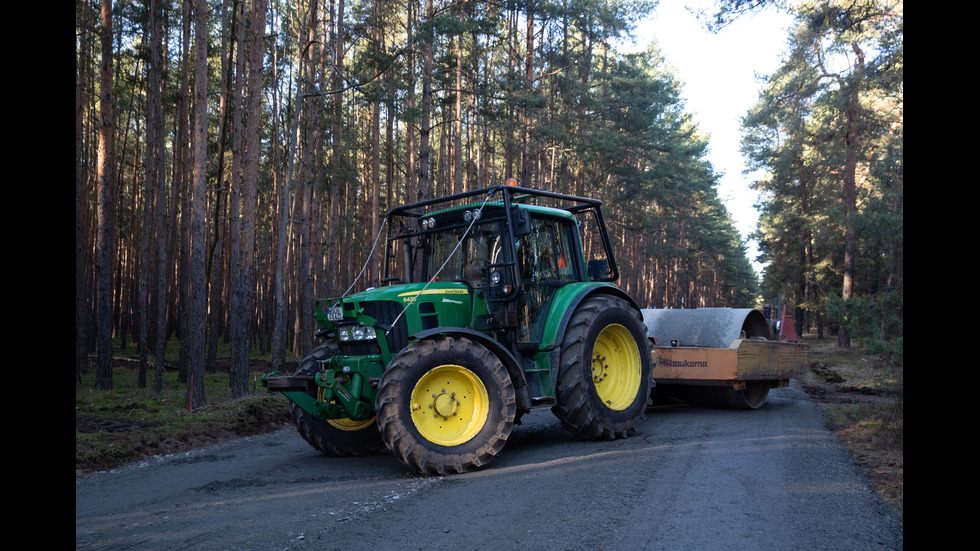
{"x":567,"y":299}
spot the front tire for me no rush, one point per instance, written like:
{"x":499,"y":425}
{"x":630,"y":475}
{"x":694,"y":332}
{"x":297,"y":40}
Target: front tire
{"x":333,"y":437}
{"x":603,"y":384}
{"x":445,"y":405}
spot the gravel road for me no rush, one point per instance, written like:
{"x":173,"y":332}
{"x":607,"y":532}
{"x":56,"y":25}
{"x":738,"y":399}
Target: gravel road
{"x":691,"y":478}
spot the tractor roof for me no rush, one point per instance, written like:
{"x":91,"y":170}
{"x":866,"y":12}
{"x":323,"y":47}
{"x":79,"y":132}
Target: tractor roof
{"x":557,"y":204}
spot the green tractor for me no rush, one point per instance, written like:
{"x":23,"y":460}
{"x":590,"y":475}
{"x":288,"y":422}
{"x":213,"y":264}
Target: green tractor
{"x":494,"y":302}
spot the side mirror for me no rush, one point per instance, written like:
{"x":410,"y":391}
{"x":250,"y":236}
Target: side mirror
{"x":598,"y":269}
{"x":520,"y":220}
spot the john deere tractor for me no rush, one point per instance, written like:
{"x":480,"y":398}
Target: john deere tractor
{"x":494,"y":302}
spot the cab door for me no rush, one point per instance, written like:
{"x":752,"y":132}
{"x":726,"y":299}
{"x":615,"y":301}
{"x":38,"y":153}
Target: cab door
{"x":545,"y":261}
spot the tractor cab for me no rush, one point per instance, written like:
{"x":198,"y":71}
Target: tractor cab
{"x":510,"y":247}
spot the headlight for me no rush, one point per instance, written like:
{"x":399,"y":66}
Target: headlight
{"x":356,"y":333}
{"x":495,"y":278}
{"x":362,"y":333}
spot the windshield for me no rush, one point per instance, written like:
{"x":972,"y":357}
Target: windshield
{"x":479,"y":249}
{"x":450,"y":254}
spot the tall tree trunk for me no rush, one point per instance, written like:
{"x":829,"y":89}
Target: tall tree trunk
{"x":372,"y":275}
{"x":806,"y":241}
{"x":216,"y":258}
{"x":196,"y":300}
{"x":242,"y":331}
{"x":411,"y":178}
{"x":425,"y":129}
{"x":236,"y":311}
{"x":153,"y":180}
{"x":282,"y":238}
{"x":340,"y":176}
{"x":163,"y":269}
{"x":106,"y":206}
{"x":81,"y":304}
{"x":458,"y":116}
{"x":304,"y":190}
{"x":850,"y":185}
{"x":173,"y":249}
{"x":528,"y":88}
{"x":182,"y":230}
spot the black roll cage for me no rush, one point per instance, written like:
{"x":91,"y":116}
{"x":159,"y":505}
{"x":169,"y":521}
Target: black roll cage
{"x":510,"y":197}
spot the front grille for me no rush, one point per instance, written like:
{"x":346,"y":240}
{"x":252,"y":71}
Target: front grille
{"x":359,"y":348}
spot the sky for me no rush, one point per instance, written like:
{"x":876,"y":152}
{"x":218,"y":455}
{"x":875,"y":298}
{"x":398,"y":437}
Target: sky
{"x":719,"y":72}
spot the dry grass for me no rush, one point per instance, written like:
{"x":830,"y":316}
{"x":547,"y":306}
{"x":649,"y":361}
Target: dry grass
{"x":862,"y":398}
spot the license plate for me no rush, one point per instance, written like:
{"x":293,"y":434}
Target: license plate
{"x":335,"y":313}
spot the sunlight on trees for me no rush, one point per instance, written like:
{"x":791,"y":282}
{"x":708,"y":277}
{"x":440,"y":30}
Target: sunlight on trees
{"x":249,"y":177}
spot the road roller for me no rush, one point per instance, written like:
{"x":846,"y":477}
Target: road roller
{"x":724,"y":357}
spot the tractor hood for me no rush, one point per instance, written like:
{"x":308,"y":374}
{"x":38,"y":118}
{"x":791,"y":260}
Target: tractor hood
{"x":396,"y":311}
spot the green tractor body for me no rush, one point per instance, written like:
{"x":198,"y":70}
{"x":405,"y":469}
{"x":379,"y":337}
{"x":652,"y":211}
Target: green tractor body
{"x":494,"y":302}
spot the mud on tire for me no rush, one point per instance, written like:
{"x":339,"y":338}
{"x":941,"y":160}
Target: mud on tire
{"x":335,"y":437}
{"x":445,"y":405}
{"x":604,"y":376}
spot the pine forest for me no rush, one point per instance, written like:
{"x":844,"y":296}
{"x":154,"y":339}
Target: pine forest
{"x":234,"y":160}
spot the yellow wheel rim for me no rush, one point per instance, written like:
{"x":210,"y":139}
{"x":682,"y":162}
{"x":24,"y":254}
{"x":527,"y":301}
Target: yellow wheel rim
{"x":616,"y":367}
{"x":450,"y":405}
{"x":350,"y":424}
{"x":345,"y":424}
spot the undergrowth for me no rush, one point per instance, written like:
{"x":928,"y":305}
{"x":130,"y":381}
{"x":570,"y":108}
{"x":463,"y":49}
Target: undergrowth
{"x":128,"y":423}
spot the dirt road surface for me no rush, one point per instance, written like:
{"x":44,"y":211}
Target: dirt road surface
{"x":691,"y":478}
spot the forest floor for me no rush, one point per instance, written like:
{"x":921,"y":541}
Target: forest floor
{"x":861,"y":399}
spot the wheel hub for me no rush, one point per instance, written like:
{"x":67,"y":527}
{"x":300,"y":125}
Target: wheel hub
{"x":599,"y":368}
{"x":444,"y":404}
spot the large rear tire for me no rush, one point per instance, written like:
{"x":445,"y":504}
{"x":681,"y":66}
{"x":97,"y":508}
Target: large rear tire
{"x":603,"y":385}
{"x":445,"y":405}
{"x":333,"y":437}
